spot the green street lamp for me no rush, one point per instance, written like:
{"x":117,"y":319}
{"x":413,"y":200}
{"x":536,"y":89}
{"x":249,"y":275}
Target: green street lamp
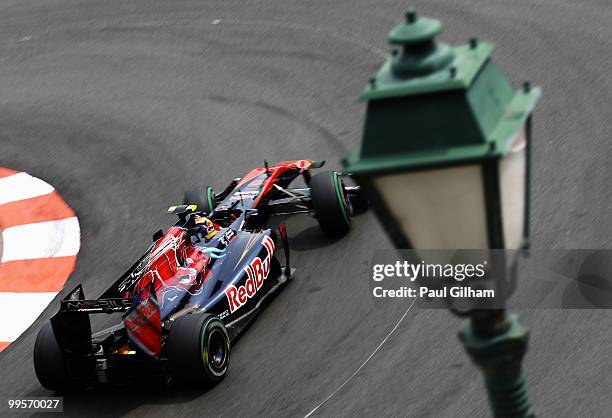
{"x":445,"y":158}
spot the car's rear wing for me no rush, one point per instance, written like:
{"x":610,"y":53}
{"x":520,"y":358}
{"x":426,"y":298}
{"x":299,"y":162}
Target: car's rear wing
{"x":72,"y":330}
{"x":72,"y":326}
{"x":75,"y":302}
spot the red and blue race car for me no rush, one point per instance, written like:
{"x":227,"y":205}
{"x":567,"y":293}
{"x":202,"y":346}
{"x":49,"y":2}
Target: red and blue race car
{"x":196,"y":287}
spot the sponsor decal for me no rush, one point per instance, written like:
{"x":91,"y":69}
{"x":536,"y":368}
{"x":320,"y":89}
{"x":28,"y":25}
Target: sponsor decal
{"x":227,"y":237}
{"x":95,"y":306}
{"x":134,"y":276}
{"x":257,"y":271}
{"x":244,"y":195}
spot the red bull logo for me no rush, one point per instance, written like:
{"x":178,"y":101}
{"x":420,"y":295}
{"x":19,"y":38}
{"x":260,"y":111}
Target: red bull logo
{"x":257,"y":271}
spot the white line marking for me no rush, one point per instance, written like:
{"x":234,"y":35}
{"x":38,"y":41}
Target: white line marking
{"x":19,"y":310}
{"x":363,"y":364}
{"x":41,"y":240}
{"x":22,"y":186}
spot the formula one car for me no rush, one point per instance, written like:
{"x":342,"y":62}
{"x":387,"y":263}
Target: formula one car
{"x":196,"y":287}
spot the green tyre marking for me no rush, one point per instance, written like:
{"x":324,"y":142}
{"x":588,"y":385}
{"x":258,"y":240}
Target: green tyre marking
{"x":203,"y":348}
{"x":339,"y":195}
{"x":211,"y":200}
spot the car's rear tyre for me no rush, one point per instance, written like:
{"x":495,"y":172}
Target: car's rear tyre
{"x":202,"y":197}
{"x":330,"y":203}
{"x":49,"y":361}
{"x":198,"y":349}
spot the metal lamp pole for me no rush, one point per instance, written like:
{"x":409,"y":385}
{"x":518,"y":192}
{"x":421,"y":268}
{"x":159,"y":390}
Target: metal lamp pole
{"x":445,"y":159}
{"x":497,"y":342}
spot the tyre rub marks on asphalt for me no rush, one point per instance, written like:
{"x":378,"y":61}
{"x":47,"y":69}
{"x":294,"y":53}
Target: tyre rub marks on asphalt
{"x":40,"y":238}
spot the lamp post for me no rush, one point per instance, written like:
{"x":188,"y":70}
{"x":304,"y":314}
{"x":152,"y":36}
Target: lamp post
{"x":445,"y":158}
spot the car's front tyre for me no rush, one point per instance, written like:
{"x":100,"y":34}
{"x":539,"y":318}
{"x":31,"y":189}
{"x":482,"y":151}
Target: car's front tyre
{"x":330,"y":203}
{"x":202,"y":197}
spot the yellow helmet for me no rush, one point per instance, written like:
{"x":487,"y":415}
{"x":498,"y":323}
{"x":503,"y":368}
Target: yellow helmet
{"x":209,"y":226}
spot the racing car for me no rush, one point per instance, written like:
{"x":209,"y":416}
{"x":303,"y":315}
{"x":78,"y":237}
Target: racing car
{"x":196,"y":287}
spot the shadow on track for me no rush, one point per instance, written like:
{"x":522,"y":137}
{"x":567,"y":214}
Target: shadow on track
{"x":311,"y":239}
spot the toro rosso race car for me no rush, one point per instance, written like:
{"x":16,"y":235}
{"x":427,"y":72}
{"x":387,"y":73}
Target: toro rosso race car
{"x":196,"y":287}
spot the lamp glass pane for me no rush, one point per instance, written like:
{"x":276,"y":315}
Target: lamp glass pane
{"x":439,"y":208}
{"x":512,"y":178}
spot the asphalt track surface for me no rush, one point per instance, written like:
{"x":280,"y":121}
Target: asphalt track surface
{"x":122,"y":105}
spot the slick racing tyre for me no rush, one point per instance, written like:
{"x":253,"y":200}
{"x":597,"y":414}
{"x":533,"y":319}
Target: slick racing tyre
{"x":50,"y":362}
{"x":198,"y":349}
{"x":202,"y":197}
{"x":330,"y":202}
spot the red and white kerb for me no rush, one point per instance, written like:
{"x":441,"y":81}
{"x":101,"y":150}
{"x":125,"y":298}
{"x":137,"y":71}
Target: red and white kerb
{"x":39,"y":242}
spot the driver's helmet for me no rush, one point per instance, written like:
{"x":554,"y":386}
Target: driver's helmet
{"x":209,"y":228}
